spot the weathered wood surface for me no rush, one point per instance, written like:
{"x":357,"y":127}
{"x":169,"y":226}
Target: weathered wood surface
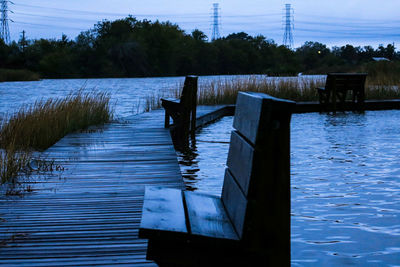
{"x":163,"y":211}
{"x":250,"y":121}
{"x":235,"y":202}
{"x":240,"y":149}
{"x":89,"y":214}
{"x":306,"y":107}
{"x":207,"y":217}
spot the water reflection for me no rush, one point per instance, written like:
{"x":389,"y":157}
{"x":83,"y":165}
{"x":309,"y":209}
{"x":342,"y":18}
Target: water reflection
{"x":189,"y":165}
{"x":345,"y":180}
{"x":203,"y":165}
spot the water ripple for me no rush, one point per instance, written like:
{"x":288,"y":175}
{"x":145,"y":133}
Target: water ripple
{"x":345,"y":180}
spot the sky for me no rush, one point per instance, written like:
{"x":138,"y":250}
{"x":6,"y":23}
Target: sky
{"x":334,"y":23}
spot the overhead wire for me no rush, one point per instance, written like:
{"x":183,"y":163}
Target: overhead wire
{"x":267,"y":23}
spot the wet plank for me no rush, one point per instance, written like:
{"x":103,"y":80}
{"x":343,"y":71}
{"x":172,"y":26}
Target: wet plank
{"x":207,"y":217}
{"x":162,"y":211}
{"x":89,"y":213}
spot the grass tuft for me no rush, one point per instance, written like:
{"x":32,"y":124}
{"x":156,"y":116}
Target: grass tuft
{"x":13,"y":163}
{"x":225,"y":91}
{"x":39,"y":126}
{"x":42,"y":124}
{"x":291,"y":88}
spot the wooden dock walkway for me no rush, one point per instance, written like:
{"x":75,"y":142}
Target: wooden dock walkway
{"x":89,"y":213}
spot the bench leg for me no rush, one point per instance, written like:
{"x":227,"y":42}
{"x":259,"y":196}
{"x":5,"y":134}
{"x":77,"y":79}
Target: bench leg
{"x":166,"y":122}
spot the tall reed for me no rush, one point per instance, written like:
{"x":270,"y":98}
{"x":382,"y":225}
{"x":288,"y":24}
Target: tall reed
{"x":42,"y":124}
{"x":225,"y":91}
{"x":292,"y":88}
{"x":13,"y":163}
{"x":38,"y":126}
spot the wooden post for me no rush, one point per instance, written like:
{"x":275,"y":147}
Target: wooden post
{"x":194,"y":106}
{"x":166,"y":121}
{"x":334,"y":96}
{"x":188,"y":120}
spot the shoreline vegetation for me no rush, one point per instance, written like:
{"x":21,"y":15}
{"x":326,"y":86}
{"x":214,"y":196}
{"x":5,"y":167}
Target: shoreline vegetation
{"x":42,"y":124}
{"x":129,"y":47}
{"x":20,"y":75}
{"x":383,"y":83}
{"x":296,"y":89}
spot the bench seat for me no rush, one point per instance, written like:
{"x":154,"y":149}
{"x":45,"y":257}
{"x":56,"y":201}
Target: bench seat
{"x":164,"y":214}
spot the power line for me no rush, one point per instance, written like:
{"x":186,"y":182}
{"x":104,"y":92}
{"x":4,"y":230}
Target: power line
{"x":46,"y":26}
{"x":349,"y":19}
{"x":288,"y":36}
{"x":215,"y":24}
{"x":86,"y":12}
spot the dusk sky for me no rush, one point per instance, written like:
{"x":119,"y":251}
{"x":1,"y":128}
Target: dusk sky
{"x":333,"y":23}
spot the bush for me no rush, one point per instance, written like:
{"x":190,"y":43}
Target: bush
{"x":9,"y":75}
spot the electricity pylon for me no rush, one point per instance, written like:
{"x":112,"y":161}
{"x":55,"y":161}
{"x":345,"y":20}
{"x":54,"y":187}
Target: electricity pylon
{"x":5,"y":30}
{"x":215,"y":24}
{"x":289,"y":26}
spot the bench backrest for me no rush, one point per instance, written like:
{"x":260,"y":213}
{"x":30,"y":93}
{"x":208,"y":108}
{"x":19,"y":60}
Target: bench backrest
{"x":189,"y":92}
{"x":189,"y":102}
{"x":256,"y":190}
{"x":346,"y":81}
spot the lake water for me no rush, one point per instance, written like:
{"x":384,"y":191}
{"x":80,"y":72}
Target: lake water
{"x":345,"y":185}
{"x":345,"y":169}
{"x":127,"y":95}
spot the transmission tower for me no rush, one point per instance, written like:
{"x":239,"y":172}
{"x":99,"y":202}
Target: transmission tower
{"x":5,"y":31}
{"x":289,"y":26}
{"x":215,"y":24}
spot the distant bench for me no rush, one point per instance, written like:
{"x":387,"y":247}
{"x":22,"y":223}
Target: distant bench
{"x":338,"y":84}
{"x":250,"y":223}
{"x":182,"y":110}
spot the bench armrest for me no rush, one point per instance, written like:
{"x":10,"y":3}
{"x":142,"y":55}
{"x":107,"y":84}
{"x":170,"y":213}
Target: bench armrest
{"x":173,"y":100}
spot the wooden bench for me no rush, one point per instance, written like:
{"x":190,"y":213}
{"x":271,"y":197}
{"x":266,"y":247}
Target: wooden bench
{"x":338,"y":84}
{"x":250,"y":222}
{"x":183,"y":110}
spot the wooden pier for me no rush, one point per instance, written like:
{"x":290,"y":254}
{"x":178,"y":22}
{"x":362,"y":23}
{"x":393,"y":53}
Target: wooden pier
{"x":89,"y":213}
{"x":305,"y":107}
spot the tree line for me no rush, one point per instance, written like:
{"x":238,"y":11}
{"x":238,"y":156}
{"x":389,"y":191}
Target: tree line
{"x":140,"y":48}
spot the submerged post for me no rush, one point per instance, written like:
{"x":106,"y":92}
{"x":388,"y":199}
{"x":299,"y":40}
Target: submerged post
{"x":188,"y":100}
{"x":193,"y":106}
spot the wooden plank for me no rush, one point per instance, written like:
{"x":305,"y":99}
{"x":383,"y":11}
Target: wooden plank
{"x":253,"y":114}
{"x":247,"y":116}
{"x":240,"y":149}
{"x":96,"y":201}
{"x":235,"y":203}
{"x":207,"y":216}
{"x":214,"y":113}
{"x":162,"y":211}
{"x":98,"y":204}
